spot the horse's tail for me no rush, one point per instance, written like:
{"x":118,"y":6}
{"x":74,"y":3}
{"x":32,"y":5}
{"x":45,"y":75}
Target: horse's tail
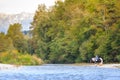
{"x":101,"y":60}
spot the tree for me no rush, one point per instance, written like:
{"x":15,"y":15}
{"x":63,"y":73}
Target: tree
{"x":5,"y":43}
{"x":14,"y":32}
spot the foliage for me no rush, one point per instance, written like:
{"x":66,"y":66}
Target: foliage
{"x":18,"y":40}
{"x":5,"y":43}
{"x":14,"y":47}
{"x":76,"y":30}
{"x":14,"y":57}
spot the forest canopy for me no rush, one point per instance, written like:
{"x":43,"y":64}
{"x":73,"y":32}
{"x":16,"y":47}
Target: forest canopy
{"x":76,"y":30}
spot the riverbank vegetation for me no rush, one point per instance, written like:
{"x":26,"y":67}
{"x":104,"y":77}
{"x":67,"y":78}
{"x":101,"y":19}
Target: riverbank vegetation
{"x":14,"y":48}
{"x":16,"y":58}
{"x":72,"y":31}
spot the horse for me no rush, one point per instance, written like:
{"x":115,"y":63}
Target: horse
{"x":96,"y":61}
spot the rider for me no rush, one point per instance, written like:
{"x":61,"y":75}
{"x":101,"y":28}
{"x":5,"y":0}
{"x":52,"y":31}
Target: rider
{"x":96,"y":57}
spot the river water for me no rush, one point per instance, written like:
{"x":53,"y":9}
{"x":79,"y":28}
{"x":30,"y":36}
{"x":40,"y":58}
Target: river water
{"x":60,"y":72}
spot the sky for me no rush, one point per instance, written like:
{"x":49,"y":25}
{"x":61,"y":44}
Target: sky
{"x":19,"y":6}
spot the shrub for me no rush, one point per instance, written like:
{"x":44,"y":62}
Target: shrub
{"x":14,"y":57}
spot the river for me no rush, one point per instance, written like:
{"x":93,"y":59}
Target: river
{"x":60,"y":72}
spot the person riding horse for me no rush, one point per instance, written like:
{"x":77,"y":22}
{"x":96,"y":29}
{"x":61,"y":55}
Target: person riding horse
{"x":97,"y":59}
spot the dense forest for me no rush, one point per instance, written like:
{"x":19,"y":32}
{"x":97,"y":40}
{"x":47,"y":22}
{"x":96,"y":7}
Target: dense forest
{"x":72,"y":31}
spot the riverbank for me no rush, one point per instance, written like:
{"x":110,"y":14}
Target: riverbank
{"x":112,"y":65}
{"x":7,"y":66}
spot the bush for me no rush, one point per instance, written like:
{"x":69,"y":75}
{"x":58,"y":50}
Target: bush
{"x":14,"y":57}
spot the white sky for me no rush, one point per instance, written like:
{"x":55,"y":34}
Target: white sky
{"x":18,"y":6}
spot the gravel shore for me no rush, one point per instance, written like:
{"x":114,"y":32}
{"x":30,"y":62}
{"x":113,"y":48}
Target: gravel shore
{"x":110,"y":66}
{"x":6,"y":66}
{"x":9,"y":66}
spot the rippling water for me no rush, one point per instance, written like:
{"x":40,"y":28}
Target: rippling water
{"x":60,"y":72}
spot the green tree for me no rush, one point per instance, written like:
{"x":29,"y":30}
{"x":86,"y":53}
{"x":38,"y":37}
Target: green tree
{"x":5,"y":43}
{"x":14,"y":32}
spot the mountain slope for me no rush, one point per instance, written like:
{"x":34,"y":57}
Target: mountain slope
{"x":23,"y":18}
